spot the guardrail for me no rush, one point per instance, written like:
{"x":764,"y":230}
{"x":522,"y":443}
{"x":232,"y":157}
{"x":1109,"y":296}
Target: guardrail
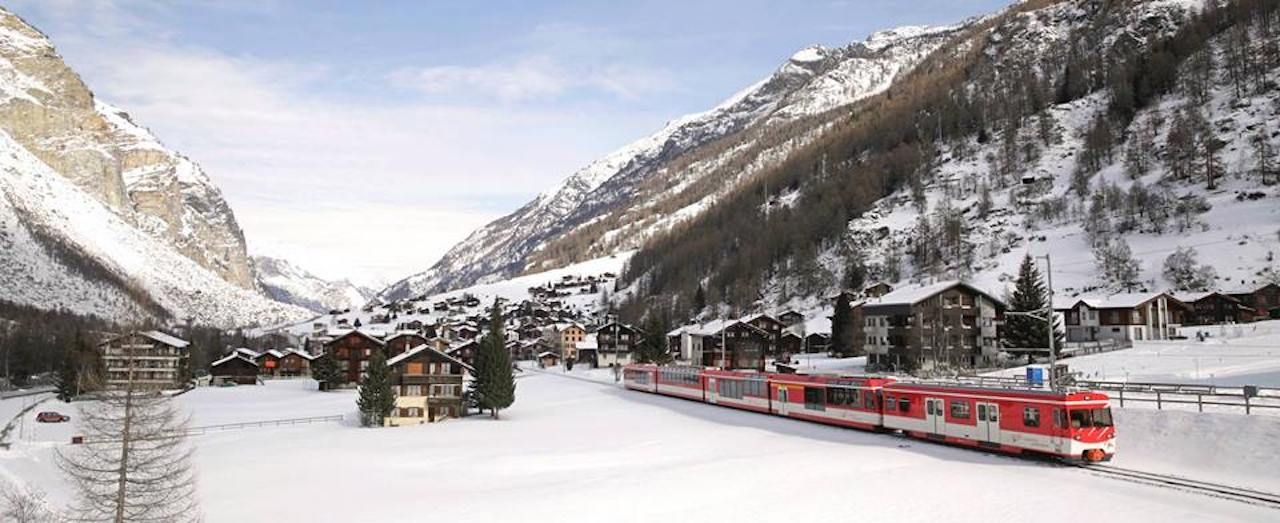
{"x":1248,"y":399}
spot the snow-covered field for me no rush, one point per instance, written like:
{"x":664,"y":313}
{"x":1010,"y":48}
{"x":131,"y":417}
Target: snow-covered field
{"x":571,"y":450}
{"x":1234,"y":355}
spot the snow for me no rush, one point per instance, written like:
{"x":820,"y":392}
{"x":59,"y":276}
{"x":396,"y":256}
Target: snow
{"x":573,"y":450}
{"x":809,"y":54}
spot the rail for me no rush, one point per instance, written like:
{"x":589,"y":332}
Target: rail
{"x":1240,"y":494}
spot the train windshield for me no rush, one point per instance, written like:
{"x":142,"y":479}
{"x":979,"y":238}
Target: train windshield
{"x":1091,"y":418}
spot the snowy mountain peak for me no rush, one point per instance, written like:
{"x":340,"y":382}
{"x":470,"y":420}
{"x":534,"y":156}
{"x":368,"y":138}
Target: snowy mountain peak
{"x":288,"y":283}
{"x":810,"y":54}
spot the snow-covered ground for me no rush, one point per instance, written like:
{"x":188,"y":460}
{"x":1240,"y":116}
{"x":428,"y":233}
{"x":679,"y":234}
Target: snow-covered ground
{"x":570,"y":450}
{"x":1247,"y":354}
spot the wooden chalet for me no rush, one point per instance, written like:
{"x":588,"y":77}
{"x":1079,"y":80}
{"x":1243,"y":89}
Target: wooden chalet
{"x":791,"y":343}
{"x":295,"y":363}
{"x":429,"y":386}
{"x":234,"y":368}
{"x":548,"y":359}
{"x":269,"y":362}
{"x":817,"y":342}
{"x":791,"y":318}
{"x":738,"y":345}
{"x":1264,"y":300}
{"x":402,"y":341}
{"x":1123,"y":317}
{"x":465,"y":352}
{"x":1215,"y":308}
{"x":772,"y":328}
{"x":616,"y":343}
{"x":352,"y":351}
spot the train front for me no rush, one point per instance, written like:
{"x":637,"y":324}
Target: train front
{"x":1090,"y":427}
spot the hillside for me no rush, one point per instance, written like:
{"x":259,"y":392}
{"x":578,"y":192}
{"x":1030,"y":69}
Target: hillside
{"x":616,"y":203}
{"x":288,"y":283}
{"x":98,"y":217}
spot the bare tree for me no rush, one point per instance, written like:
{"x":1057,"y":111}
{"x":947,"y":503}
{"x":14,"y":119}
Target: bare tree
{"x":24,"y":505}
{"x":134,"y":464}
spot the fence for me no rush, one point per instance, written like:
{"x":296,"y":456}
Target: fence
{"x":1247,"y":399}
{"x":196,"y":431}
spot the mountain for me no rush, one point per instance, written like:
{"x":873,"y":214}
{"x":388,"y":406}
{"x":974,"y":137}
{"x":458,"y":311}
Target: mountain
{"x":618,"y":201}
{"x":288,"y":283}
{"x":98,"y":217}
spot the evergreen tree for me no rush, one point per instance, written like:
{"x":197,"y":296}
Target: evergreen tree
{"x":855,"y":275}
{"x":699,"y":299}
{"x":653,"y":341}
{"x":1029,"y":295}
{"x":842,"y":328}
{"x":325,"y":369}
{"x":494,"y":387}
{"x":377,"y":398}
{"x":67,"y":377}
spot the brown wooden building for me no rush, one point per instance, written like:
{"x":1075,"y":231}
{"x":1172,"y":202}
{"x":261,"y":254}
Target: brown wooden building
{"x":400,"y":342}
{"x":147,"y":359}
{"x":294,"y":363}
{"x":429,"y":386}
{"x":772,"y":328}
{"x":739,"y":345}
{"x":1264,"y":300}
{"x":944,"y":324}
{"x":352,"y":351}
{"x":616,"y":343}
{"x":234,"y":368}
{"x":1213,"y":308}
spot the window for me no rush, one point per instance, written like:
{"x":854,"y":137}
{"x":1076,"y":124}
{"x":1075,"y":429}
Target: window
{"x":869,"y":401}
{"x":960,"y":409}
{"x":413,"y":390}
{"x":1094,"y":418}
{"x":813,"y":398}
{"x":415,"y":368}
{"x":1031,"y":417}
{"x":904,"y":405}
{"x":890,"y":403}
{"x":1059,"y":419}
{"x":842,"y":397}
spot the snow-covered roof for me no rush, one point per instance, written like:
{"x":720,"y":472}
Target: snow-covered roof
{"x":546,"y":353}
{"x":1114,"y":301}
{"x":274,"y":353}
{"x":375,"y":336}
{"x":166,"y":339}
{"x":914,"y":295}
{"x":302,"y":353}
{"x":425,"y":348}
{"x":233,"y":356}
{"x":246,"y":352}
{"x":589,"y":342}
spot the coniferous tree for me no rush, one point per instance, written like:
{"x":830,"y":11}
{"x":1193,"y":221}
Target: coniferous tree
{"x":653,"y":342}
{"x":325,"y":369}
{"x":377,"y":397}
{"x":495,"y":386}
{"x":699,"y":299}
{"x":1030,"y":295}
{"x":66,"y":378}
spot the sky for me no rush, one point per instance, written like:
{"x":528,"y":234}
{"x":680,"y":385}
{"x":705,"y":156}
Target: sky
{"x":362,"y":140}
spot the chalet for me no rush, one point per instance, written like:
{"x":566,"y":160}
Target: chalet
{"x":772,"y":328}
{"x":818,"y":342}
{"x":465,"y":352}
{"x":413,"y":325}
{"x":876,"y":290}
{"x":529,"y":331}
{"x":1264,"y":300}
{"x":402,"y":341}
{"x":791,"y":318}
{"x":791,"y":343}
{"x":569,"y":338}
{"x":548,"y":359}
{"x":1214,"y":308}
{"x":588,"y":351}
{"x":617,"y":341}
{"x":269,"y":362}
{"x":738,"y":345}
{"x":295,"y":363}
{"x":234,"y":368}
{"x":944,"y":324}
{"x":352,"y":351}
{"x":146,"y":359}
{"x":428,"y":385}
{"x":1123,"y":317}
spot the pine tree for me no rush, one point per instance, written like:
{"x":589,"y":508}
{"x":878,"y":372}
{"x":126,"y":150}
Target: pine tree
{"x":325,"y":369}
{"x":66,"y":379}
{"x":494,"y":386}
{"x":1029,"y":295}
{"x":842,"y":328}
{"x":699,"y":299}
{"x":377,"y":398}
{"x":653,"y":342}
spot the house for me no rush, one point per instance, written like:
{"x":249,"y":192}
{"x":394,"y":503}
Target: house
{"x":234,"y":368}
{"x":818,"y":342}
{"x":428,"y":385}
{"x":1264,"y":300}
{"x":588,"y":351}
{"x":791,"y":318}
{"x":1122,"y":317}
{"x":738,"y":345}
{"x":529,"y":331}
{"x":147,"y":359}
{"x":772,"y":328}
{"x":295,"y":363}
{"x":548,"y":359}
{"x":352,"y":351}
{"x":948,"y":323}
{"x":616,"y":343}
{"x":402,"y":341}
{"x":465,"y":351}
{"x":570,"y":336}
{"x":1213,"y":308}
{"x":791,"y":343}
{"x":876,"y":290}
{"x":268,"y":362}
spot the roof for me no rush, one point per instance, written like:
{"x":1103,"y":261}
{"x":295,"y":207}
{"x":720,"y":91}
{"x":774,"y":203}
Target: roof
{"x":165,"y":339}
{"x":546,"y":353}
{"x":233,"y":356}
{"x":274,"y":353}
{"x":425,"y":348}
{"x":366,"y":334}
{"x":304,"y":354}
{"x":589,"y":342}
{"x":1114,"y":301}
{"x":914,"y":295}
{"x":249,"y":353}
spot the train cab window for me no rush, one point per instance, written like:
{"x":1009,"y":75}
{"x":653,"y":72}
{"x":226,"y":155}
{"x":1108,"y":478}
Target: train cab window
{"x":1102,"y":417}
{"x":1090,"y":418}
{"x":904,"y":404}
{"x":813,"y":399}
{"x":960,"y":409}
{"x":1031,"y":417}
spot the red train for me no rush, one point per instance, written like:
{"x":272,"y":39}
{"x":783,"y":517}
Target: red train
{"x":1071,"y":426}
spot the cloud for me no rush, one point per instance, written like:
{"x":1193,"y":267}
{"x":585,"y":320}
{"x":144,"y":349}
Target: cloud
{"x":532,"y":78}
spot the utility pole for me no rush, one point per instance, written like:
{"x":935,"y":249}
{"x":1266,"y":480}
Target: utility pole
{"x":1053,"y":356}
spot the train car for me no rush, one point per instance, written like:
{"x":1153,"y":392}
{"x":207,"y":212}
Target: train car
{"x":640,"y":377}
{"x":681,"y":382}
{"x":739,"y":389}
{"x":1073,"y":426}
{"x":834,"y":400}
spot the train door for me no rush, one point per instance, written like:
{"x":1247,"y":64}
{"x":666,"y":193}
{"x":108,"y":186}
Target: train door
{"x":989,"y":422}
{"x":712,"y":391}
{"x":934,"y":417}
{"x":782,"y":401}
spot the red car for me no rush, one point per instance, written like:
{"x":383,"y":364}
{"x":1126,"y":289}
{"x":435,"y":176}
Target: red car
{"x":51,"y":417}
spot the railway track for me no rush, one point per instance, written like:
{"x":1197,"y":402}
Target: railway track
{"x":1217,"y":490}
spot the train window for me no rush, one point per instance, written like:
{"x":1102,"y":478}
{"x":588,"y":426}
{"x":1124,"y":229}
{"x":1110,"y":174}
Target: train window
{"x":960,"y":409}
{"x":1059,"y":419}
{"x":904,"y":404}
{"x":890,"y":403}
{"x":836,"y":396}
{"x":993,"y":412}
{"x":868,"y":400}
{"x":1031,"y":417}
{"x":1102,"y":417}
{"x":982,"y":412}
{"x":813,"y":398}
{"x":929,"y":406}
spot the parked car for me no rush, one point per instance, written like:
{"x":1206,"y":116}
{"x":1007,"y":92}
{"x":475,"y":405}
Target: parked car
{"x":52,"y":417}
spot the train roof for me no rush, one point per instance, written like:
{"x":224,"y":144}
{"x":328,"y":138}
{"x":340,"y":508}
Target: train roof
{"x":1009,"y":392}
